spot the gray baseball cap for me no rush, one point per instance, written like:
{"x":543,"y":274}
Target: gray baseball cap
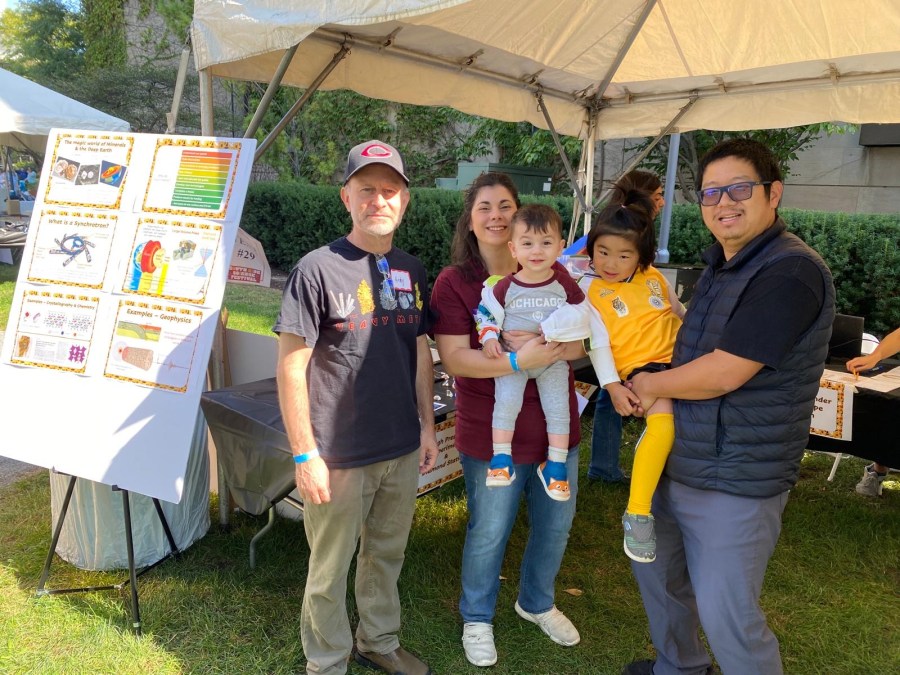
{"x":374,"y":152}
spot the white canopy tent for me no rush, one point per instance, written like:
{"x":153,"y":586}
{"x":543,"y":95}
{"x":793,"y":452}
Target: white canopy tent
{"x":29,"y":111}
{"x":596,"y":69}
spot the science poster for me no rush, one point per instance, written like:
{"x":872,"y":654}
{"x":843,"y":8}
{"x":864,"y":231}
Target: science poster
{"x":117,"y":302}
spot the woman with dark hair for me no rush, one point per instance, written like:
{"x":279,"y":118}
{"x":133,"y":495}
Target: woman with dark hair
{"x":480,"y":249}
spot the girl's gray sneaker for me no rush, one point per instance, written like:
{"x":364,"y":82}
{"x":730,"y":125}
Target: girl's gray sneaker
{"x":640,"y":537}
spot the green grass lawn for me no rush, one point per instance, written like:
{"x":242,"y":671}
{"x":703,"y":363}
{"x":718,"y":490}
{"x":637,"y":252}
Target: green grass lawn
{"x":8,"y":274}
{"x":831,"y":593}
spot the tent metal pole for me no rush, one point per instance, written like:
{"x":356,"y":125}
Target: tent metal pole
{"x":646,"y":151}
{"x":725,"y":89}
{"x":377,"y":44}
{"x":172,"y":115}
{"x":589,"y":171}
{"x":207,"y":123}
{"x":623,"y":49}
{"x":662,"y":253}
{"x":576,"y":207}
{"x":269,"y":94}
{"x":310,"y":90}
{"x":561,"y":151}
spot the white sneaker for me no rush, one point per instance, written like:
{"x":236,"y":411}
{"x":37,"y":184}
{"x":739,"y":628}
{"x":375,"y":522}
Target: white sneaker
{"x":871,"y":483}
{"x":478,"y":643}
{"x":555,"y":624}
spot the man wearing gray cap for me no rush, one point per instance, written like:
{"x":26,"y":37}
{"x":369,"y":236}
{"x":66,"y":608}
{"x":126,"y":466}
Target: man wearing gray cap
{"x":355,"y":386}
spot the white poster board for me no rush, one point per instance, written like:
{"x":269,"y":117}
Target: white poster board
{"x":116,"y":304}
{"x":833,"y":411}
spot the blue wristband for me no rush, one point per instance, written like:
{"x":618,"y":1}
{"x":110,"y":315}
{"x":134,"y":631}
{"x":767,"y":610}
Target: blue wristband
{"x":514,"y":361}
{"x":306,"y":456}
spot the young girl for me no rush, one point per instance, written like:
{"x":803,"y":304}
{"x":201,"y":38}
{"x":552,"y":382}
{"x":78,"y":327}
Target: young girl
{"x":642,"y":316}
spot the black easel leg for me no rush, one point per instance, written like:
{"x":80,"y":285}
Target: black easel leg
{"x":56,"y":532}
{"x":165,"y":525}
{"x":135,"y":608}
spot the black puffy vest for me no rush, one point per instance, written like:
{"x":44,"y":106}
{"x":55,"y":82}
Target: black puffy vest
{"x":748,"y":442}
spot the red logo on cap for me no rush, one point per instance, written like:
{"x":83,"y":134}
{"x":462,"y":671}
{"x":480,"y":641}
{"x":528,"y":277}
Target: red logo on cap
{"x":376,"y":150}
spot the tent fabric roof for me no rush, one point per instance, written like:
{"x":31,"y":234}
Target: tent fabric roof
{"x":28,"y":111}
{"x":746,"y":65}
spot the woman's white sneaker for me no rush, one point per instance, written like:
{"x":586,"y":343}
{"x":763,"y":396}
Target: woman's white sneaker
{"x":478,"y":643}
{"x":554,"y":623}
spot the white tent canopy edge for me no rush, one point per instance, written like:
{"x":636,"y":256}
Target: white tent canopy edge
{"x":604,"y":69}
{"x":28,"y":111}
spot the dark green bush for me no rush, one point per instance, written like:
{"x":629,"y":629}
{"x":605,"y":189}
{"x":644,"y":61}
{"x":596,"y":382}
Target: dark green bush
{"x":862,"y":250}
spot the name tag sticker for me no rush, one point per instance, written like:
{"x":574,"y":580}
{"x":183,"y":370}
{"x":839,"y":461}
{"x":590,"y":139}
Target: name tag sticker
{"x":402,"y":280}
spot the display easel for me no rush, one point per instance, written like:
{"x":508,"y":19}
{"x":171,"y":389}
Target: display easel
{"x":129,"y":542}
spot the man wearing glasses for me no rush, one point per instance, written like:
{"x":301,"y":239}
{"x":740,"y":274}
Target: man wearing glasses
{"x":355,"y":385}
{"x":744,"y":377}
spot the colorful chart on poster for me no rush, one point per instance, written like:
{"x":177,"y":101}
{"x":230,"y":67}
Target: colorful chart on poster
{"x":192,"y":178}
{"x":54,"y":330}
{"x":153,"y":344}
{"x":172,"y":259}
{"x":202,"y":178}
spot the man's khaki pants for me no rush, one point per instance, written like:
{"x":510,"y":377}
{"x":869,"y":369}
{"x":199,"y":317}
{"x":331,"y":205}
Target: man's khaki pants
{"x":372,"y":505}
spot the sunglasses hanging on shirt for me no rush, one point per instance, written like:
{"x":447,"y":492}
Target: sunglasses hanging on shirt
{"x":387,"y":294}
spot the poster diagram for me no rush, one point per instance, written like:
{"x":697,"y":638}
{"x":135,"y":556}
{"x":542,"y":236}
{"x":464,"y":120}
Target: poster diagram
{"x":54,"y":330}
{"x":192,"y":177}
{"x":72,"y":248}
{"x":172,"y":259}
{"x":153,"y":345}
{"x":89,"y":170}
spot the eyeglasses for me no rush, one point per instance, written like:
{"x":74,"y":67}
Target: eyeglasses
{"x":738,"y":192}
{"x":388,"y":295}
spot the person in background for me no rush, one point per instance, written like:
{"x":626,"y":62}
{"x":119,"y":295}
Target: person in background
{"x":874,"y":474}
{"x":355,"y":386}
{"x":480,"y":250}
{"x":606,"y":439}
{"x":744,"y":377}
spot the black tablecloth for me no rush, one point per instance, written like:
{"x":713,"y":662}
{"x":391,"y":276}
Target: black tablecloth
{"x":876,"y":417}
{"x":875,"y":437}
{"x":251,"y":444}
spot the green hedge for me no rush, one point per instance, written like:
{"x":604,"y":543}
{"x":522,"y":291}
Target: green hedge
{"x":862,"y":250}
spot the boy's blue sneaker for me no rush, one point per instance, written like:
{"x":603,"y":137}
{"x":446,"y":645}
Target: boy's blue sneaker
{"x":555,"y":479}
{"x":501,"y":472}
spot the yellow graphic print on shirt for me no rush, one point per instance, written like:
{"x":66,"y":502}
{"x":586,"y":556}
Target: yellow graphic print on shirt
{"x":419,"y":302}
{"x":364,"y":295}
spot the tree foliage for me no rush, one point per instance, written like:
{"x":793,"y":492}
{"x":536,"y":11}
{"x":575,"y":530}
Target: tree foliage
{"x":81,"y":52}
{"x":42,"y":40}
{"x":786,"y":144}
{"x":103,"y":24}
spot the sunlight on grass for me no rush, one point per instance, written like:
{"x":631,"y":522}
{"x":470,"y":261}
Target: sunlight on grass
{"x":830,"y":593}
{"x":8,"y":274}
{"x":252,"y":308}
